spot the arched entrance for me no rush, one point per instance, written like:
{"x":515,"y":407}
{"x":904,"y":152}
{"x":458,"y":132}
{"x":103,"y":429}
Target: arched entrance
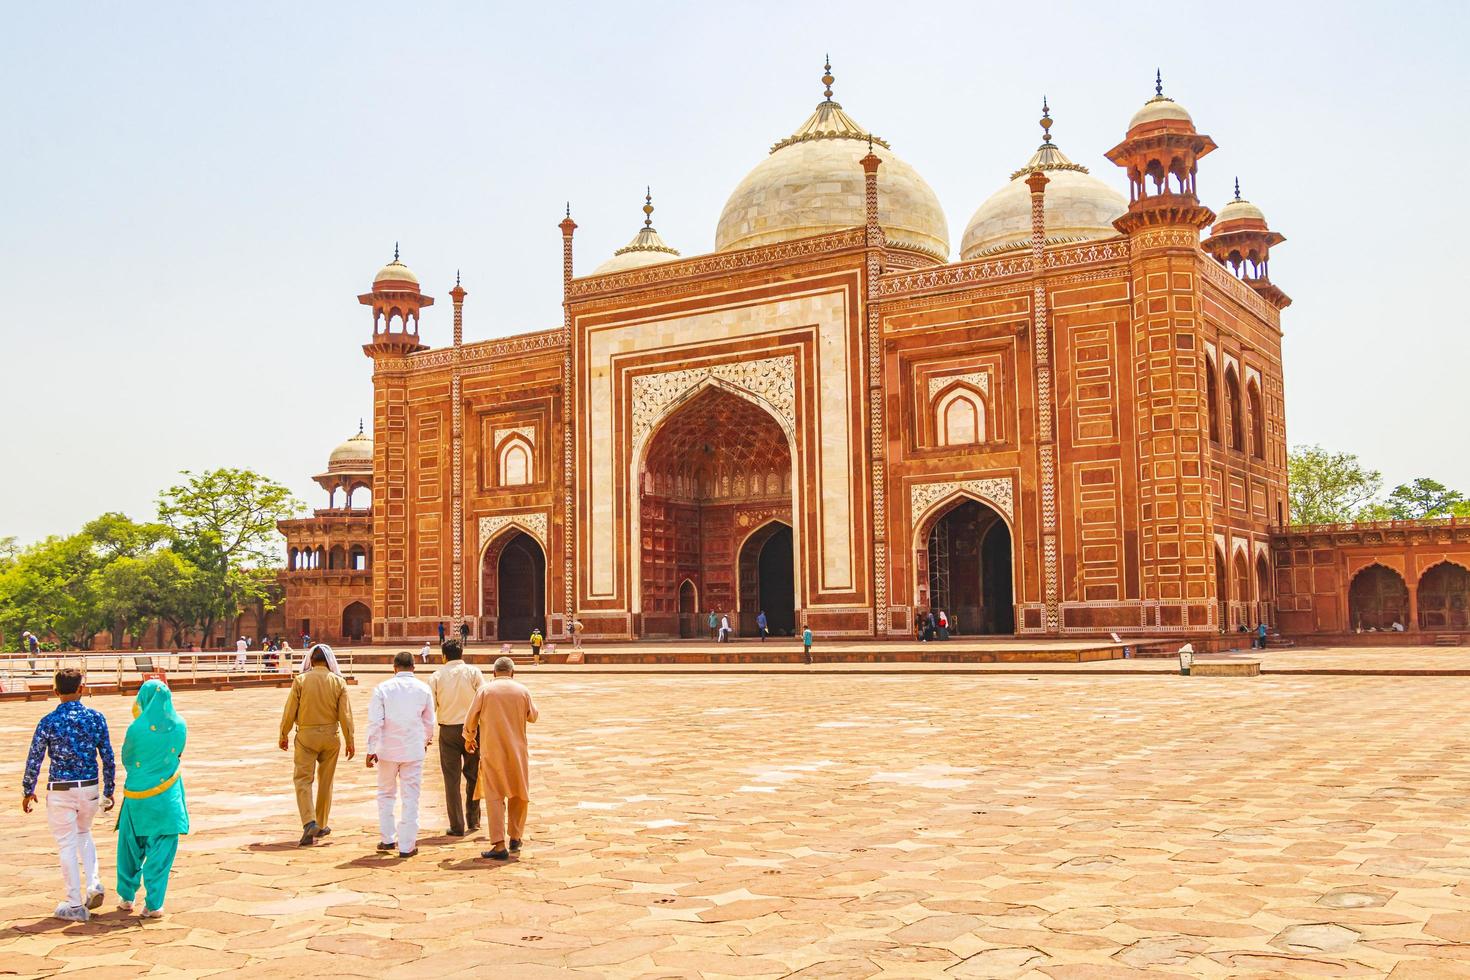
{"x":688,"y":610}
{"x":357,"y":621}
{"x":1444,"y":597}
{"x":513,"y":586}
{"x":1240,"y":591}
{"x":1377,"y":599}
{"x":716,"y":466}
{"x":1266,"y":607}
{"x":967,"y":569}
{"x":1222,"y":589}
{"x":766,"y":581}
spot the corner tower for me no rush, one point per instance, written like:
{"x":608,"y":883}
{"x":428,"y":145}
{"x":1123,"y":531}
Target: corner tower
{"x":396,"y":302}
{"x":1161,"y":154}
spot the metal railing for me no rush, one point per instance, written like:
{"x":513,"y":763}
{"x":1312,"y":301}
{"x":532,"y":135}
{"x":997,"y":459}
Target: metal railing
{"x":27,"y":672}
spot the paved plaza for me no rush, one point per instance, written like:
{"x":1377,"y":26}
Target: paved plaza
{"x":866,"y":825}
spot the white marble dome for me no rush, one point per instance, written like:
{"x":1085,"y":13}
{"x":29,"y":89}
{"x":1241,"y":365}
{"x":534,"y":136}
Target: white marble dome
{"x":395,"y":271}
{"x":1160,"y":107}
{"x":1079,"y":207}
{"x":812,"y":184}
{"x":646,"y":248}
{"x":353,"y":456}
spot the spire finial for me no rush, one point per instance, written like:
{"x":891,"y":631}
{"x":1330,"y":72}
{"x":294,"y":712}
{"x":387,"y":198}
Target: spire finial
{"x":1158,"y":81}
{"x":395,"y":251}
{"x":1237,"y":188}
{"x":1045,"y":121}
{"x":870,"y":142}
{"x":456,"y":277}
{"x":359,"y":425}
{"x":648,"y":207}
{"x":827,"y":77}
{"x":569,"y":209}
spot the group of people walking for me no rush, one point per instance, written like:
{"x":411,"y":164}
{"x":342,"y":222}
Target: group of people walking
{"x":82,"y":780}
{"x":480,"y":726}
{"x":483,"y":754}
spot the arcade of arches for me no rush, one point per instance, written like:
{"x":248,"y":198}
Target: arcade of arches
{"x":965,"y":565}
{"x":513,"y":586}
{"x":715,"y":532}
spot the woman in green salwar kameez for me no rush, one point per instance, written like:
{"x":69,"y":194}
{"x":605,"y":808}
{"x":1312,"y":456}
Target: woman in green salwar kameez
{"x":153,"y":813}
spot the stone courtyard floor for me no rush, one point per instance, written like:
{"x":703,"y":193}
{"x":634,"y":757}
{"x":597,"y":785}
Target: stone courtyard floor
{"x":699,"y":825}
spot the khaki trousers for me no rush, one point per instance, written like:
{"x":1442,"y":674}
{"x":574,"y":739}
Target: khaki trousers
{"x":316,"y":758}
{"x":507,"y":819}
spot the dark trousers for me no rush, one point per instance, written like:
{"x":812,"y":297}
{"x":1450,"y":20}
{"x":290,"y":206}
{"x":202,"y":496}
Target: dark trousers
{"x":455,"y":762}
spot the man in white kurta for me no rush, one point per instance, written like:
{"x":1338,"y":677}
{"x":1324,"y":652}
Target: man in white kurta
{"x":496,"y":725}
{"x":400,"y":728}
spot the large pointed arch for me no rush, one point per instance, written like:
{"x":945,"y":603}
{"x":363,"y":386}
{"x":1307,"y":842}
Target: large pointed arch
{"x":997,"y":536}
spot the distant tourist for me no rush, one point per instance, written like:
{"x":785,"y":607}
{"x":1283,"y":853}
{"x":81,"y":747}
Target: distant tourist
{"x":424,"y":653}
{"x":714,"y":626}
{"x":464,"y":634}
{"x":806,"y":643}
{"x":400,"y":729}
{"x":454,"y":686}
{"x":536,"y":640}
{"x":725,"y":630}
{"x":496,"y":727}
{"x":154,"y":812}
{"x":76,"y":738}
{"x":577,"y":628}
{"x":441,"y":632}
{"x":1261,"y":631}
{"x":761,"y":624}
{"x":241,"y":645}
{"x":317,"y":707}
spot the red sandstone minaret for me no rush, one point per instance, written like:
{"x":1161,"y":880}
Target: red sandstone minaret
{"x":1161,"y":153}
{"x":1241,"y":241}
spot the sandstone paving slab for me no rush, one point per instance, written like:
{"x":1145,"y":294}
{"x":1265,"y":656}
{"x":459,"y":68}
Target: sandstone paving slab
{"x":705,"y":825}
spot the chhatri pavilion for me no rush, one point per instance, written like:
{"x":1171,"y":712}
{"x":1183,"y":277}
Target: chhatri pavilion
{"x":1074,"y":426}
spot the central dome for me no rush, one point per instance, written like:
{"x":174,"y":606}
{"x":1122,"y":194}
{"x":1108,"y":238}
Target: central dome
{"x":812,"y":184}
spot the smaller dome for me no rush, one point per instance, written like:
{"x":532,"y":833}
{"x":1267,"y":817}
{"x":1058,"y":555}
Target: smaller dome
{"x":1239,"y":215}
{"x":1160,"y":108}
{"x":353,"y":456}
{"x":1078,"y":206}
{"x":395,"y":271}
{"x":646,"y":248}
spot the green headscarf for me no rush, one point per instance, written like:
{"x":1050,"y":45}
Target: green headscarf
{"x":153,"y":794}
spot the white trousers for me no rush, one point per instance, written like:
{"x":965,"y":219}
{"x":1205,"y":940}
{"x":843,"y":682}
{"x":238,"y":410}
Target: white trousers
{"x":69,"y":814}
{"x":397,"y":779}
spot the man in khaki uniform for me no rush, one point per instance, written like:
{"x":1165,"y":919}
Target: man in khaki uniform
{"x":454,"y":686}
{"x":317,"y":706}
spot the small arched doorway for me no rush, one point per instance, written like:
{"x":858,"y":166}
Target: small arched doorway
{"x":1222,"y":589}
{"x":688,"y":610}
{"x":767,"y":581}
{"x":968,"y":569}
{"x":517,"y":600}
{"x":1240,"y":590}
{"x":1444,"y":597}
{"x":357,"y":621}
{"x":1377,"y":599}
{"x":1267,"y":608}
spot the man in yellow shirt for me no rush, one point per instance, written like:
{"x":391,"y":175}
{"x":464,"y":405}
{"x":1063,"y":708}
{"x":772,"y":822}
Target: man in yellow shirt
{"x":454,"y":686}
{"x":317,"y":706}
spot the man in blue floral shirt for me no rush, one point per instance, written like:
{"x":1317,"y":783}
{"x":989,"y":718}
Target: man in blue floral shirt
{"x":75,"y":737}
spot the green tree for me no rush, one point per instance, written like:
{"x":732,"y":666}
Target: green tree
{"x":1423,"y":498}
{"x":1327,"y":486}
{"x":50,"y":588}
{"x":223,"y":522}
{"x":119,"y":536}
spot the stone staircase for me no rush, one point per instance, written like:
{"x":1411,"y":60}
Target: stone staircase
{"x":1447,"y":640}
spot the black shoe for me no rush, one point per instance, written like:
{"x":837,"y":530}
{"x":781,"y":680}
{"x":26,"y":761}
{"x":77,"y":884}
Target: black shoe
{"x":408,"y":854}
{"x":515,"y":845}
{"x":500,"y":855}
{"x":308,"y":835}
{"x":454,"y":833}
{"x":323,"y":831}
{"x":386,"y":847}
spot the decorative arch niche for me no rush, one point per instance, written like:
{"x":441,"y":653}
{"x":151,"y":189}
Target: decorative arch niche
{"x":960,"y":416}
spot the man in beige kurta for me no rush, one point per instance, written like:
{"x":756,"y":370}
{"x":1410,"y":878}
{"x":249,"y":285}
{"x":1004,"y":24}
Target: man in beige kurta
{"x":496,"y":725}
{"x":318,"y":707}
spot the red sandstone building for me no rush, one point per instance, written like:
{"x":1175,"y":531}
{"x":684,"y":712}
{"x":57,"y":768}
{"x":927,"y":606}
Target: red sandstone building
{"x":1075,"y":427}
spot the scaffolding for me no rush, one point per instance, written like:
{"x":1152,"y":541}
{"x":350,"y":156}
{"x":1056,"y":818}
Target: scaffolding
{"x":939,"y":566}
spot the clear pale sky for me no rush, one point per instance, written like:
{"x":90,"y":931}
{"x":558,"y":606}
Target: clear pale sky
{"x":194,"y":194}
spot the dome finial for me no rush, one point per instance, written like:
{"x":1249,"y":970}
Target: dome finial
{"x":827,"y":77}
{"x":456,"y":277}
{"x":395,"y":251}
{"x":1045,"y":121}
{"x":359,"y":425}
{"x":1158,"y":81}
{"x":1237,"y":188}
{"x":648,"y":207}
